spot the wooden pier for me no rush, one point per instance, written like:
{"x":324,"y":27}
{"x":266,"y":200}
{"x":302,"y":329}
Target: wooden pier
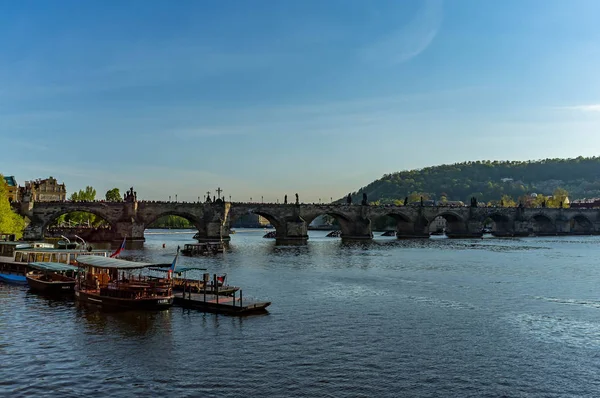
{"x":215,"y":303}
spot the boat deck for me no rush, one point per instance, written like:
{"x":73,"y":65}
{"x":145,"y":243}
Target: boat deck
{"x":220,"y":304}
{"x":8,"y":260}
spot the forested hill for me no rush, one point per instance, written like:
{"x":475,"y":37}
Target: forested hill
{"x":488,"y":181}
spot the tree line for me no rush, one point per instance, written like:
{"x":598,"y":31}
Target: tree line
{"x":491,"y":182}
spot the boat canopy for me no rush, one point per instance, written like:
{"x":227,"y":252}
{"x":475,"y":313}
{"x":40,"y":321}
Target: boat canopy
{"x":48,"y":266}
{"x":112,"y":263}
{"x":183,"y":268}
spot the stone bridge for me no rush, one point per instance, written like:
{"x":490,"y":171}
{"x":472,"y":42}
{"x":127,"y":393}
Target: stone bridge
{"x":130,"y":219}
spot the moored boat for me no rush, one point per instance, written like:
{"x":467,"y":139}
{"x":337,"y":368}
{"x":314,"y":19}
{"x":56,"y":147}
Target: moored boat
{"x":199,"y":249}
{"x":51,"y":278}
{"x":13,"y":279}
{"x":111,"y":282}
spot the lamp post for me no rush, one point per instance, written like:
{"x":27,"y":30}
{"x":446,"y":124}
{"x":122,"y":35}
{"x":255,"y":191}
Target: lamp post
{"x":175,"y":198}
{"x":230,"y":198}
{"x":261,"y":199}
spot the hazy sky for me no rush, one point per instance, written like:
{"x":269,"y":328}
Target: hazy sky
{"x":274,"y":97}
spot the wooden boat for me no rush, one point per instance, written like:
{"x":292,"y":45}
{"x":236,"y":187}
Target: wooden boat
{"x":217,"y":303}
{"x":52,"y":278}
{"x":199,"y":249}
{"x":181,"y":283}
{"x":110,"y":282}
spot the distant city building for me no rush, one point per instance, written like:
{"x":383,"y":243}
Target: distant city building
{"x":438,"y":225}
{"x":46,"y":190}
{"x":12,"y":188}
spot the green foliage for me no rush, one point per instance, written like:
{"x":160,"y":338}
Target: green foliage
{"x":175,"y":222}
{"x":88,"y":195}
{"x":79,"y":217}
{"x":10,"y":222}
{"x":489,"y":181}
{"x":558,"y":197}
{"x":113,"y":195}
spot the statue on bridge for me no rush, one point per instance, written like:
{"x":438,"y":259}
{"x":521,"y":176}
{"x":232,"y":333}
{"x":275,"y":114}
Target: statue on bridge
{"x":421,"y":201}
{"x":405,"y":200}
{"x":364,"y":200}
{"x":285,"y":200}
{"x":130,"y":196}
{"x":473,"y":201}
{"x":297,"y":200}
{"x":349,"y":199}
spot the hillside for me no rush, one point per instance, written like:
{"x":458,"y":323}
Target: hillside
{"x":488,"y":181}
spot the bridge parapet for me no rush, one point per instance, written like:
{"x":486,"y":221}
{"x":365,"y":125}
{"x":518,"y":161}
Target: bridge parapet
{"x":291,"y":220}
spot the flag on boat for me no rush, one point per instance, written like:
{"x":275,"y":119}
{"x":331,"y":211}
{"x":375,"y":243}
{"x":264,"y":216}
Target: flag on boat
{"x":120,"y":249}
{"x":221,"y":279}
{"x":174,"y":263}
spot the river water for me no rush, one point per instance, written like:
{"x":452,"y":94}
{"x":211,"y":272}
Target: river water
{"x":488,"y":317}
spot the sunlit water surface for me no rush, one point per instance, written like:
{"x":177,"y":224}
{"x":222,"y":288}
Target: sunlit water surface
{"x":491,"y":317}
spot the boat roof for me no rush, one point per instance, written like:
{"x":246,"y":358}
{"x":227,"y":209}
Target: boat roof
{"x":203,"y":244}
{"x":48,"y":250}
{"x":183,"y":268}
{"x":112,"y":263}
{"x":49,"y":266}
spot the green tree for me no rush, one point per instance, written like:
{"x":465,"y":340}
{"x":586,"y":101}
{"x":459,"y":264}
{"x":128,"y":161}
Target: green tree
{"x":10,"y":222}
{"x":558,"y":198}
{"x":416,"y":197}
{"x":78,"y":217}
{"x":508,"y":201}
{"x":113,"y":195}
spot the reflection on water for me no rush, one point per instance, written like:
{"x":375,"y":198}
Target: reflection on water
{"x":437,"y":317}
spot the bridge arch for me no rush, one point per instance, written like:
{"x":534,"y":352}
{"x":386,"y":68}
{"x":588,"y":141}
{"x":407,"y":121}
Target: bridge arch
{"x":455,"y":224}
{"x":102,"y":232}
{"x":541,"y":225}
{"x":345,"y":223}
{"x":501,"y":224}
{"x":183,"y":214}
{"x":580,"y":224}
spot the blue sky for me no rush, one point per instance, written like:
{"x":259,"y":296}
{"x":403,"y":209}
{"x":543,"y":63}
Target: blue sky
{"x":267,"y":98}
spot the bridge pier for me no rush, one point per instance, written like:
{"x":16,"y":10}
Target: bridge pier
{"x":214,"y":231}
{"x":292,"y":232}
{"x":469,"y":229}
{"x":34,"y":231}
{"x":130,"y":230}
{"x":411,"y":230}
{"x":358,"y":230}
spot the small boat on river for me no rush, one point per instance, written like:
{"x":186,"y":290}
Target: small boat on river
{"x":216,"y":302}
{"x":181,"y":282}
{"x":111,"y":282}
{"x":51,"y":278}
{"x":201,"y":249}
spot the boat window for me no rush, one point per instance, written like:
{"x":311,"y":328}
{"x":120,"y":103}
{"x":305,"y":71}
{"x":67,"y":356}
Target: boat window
{"x":18,"y":256}
{"x":54,"y":258}
{"x":39,"y":256}
{"x":31,"y":257}
{"x":46,"y":256}
{"x":63,"y":258}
